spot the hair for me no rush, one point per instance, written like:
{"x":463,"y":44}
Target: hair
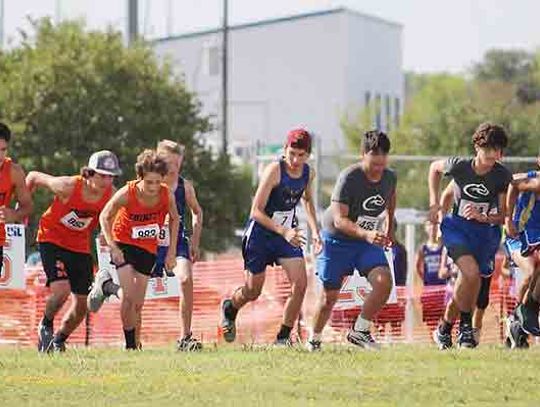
{"x":170,"y":146}
{"x":376,"y":142}
{"x":150,"y":161}
{"x":5,"y":132}
{"x":87,"y":172}
{"x":489,"y":135}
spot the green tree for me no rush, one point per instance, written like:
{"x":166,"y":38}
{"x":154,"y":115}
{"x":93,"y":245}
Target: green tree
{"x":68,"y":92}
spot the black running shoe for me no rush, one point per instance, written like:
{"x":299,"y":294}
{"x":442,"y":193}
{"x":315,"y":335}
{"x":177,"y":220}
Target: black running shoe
{"x":362,"y":339}
{"x":516,"y":337}
{"x":45,"y":337}
{"x":465,"y":337}
{"x":313,"y":345}
{"x":528,"y":319}
{"x":443,"y":341}
{"x":188,"y":344}
{"x":228,"y":325}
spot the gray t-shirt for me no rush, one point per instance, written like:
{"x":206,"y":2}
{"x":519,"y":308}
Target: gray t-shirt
{"x":366,"y":200}
{"x":481,"y":191}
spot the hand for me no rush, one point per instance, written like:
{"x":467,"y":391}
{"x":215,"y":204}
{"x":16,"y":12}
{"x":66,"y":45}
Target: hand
{"x":8,"y":215}
{"x":471,"y":213}
{"x":434,"y":214}
{"x":102,"y":240}
{"x":510,"y":228}
{"x":170,"y":261}
{"x":377,"y":238}
{"x":294,"y":237}
{"x":317,"y":244}
{"x":117,"y":256}
{"x":194,"y":253}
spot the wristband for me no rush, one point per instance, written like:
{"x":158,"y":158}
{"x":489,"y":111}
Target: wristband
{"x":532,"y":174}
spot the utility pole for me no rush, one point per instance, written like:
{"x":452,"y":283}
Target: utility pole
{"x":1,"y":24}
{"x":224,"y":76}
{"x":133,"y":20}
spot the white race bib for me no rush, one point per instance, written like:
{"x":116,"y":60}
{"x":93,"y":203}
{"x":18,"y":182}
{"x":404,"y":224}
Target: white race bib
{"x":482,"y":207}
{"x":145,"y":231}
{"x":283,"y":218}
{"x":164,"y":236}
{"x":369,"y":222}
{"x":73,"y":222}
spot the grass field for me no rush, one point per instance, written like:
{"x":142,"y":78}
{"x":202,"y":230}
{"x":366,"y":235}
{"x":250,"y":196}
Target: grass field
{"x":226,"y":376}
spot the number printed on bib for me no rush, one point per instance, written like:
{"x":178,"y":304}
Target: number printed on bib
{"x":482,"y":207}
{"x":283,"y":218}
{"x":163,"y":238}
{"x":369,"y":222}
{"x":145,"y":231}
{"x":73,"y":222}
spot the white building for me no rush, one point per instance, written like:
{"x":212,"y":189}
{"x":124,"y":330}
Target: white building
{"x":310,"y":69}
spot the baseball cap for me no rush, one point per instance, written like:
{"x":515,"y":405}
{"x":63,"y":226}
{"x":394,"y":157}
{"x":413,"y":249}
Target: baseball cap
{"x":104,"y":162}
{"x":299,"y":138}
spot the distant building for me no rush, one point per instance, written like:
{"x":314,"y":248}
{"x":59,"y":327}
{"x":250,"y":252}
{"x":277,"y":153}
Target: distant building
{"x":308,"y":69}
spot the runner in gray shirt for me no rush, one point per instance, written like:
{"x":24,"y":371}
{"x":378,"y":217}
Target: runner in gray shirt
{"x":356,"y":230}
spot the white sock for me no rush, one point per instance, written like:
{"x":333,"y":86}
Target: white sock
{"x":314,"y":336}
{"x":362,"y":324}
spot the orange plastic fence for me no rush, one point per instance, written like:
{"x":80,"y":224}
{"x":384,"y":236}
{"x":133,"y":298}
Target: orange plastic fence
{"x":410,"y":320}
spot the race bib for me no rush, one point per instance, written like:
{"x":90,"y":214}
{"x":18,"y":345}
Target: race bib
{"x":369,"y":222}
{"x":145,"y":231}
{"x":482,"y":207}
{"x":73,"y":222}
{"x":164,"y":236}
{"x":283,"y":218}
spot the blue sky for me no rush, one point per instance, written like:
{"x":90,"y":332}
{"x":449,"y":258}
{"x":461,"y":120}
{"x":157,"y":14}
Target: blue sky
{"x":438,"y":35}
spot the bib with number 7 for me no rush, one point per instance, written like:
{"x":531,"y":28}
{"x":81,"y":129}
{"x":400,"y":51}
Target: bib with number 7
{"x":283,"y":218}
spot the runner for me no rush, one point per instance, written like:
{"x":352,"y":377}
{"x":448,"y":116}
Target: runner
{"x":364,"y":195}
{"x":130,"y":223}
{"x":64,"y":234}
{"x":272,"y":235}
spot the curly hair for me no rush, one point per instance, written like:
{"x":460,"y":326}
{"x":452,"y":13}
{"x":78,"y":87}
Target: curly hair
{"x":489,"y":135}
{"x":375,"y":141}
{"x":5,"y":132}
{"x":150,"y":161}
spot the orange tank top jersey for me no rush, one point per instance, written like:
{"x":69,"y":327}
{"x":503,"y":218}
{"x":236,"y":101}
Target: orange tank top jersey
{"x":70,"y":225}
{"x":6,"y":188}
{"x":138,"y":225}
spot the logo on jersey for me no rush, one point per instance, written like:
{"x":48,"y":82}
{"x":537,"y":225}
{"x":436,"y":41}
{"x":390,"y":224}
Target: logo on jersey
{"x":476,"y":191}
{"x":292,"y":196}
{"x":373,"y":203}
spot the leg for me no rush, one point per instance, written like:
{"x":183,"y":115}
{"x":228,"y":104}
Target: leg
{"x":466,"y":295}
{"x":184,"y":272}
{"x":60,"y":290}
{"x":295,"y":268}
{"x":381,"y":283}
{"x":140,"y":283}
{"x":75,"y":315}
{"x":250,"y":291}
{"x":128,"y":313}
{"x":326,"y":301}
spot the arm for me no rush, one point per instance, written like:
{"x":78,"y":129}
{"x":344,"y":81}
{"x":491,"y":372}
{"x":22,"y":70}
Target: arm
{"x":307,"y":201}
{"x":511,"y":198}
{"x":436,"y":170}
{"x":60,"y":186}
{"x":390,"y":216}
{"x":346,"y":226}
{"x":196,"y":220}
{"x":24,"y":198}
{"x":420,"y":264}
{"x":174,"y":226}
{"x":494,"y":219}
{"x":444,"y":273}
{"x":447,"y":197}
{"x":106,"y":218}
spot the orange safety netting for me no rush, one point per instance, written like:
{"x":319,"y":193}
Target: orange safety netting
{"x":411,"y":319}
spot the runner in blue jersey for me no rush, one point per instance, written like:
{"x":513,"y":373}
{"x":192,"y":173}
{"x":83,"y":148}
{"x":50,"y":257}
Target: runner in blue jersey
{"x":428,"y":258}
{"x":357,"y":227}
{"x":480,"y":202}
{"x":272,"y":235}
{"x":187,"y":251}
{"x":523,"y":246}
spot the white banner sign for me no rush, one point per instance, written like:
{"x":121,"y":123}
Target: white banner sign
{"x":12,"y":275}
{"x":165,"y":287}
{"x":356,"y":288}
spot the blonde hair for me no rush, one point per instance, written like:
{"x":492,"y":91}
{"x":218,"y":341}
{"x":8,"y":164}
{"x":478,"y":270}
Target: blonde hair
{"x":170,"y":146}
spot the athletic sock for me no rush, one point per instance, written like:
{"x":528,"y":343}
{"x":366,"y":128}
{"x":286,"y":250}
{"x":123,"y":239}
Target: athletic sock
{"x":284,"y":332}
{"x":129,"y":335}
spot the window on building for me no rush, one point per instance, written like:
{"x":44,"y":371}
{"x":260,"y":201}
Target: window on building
{"x":378,"y":116}
{"x":397,"y":111}
{"x":213,"y":62}
{"x":388,"y":112}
